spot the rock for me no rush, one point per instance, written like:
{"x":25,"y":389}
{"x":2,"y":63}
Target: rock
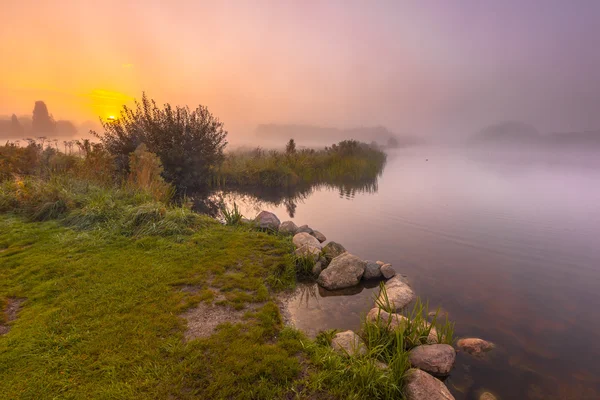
{"x":399,"y":293}
{"x":348,"y":343}
{"x":393,"y":321}
{"x":308,"y":251}
{"x":380,"y":263}
{"x":422,"y":386}
{"x":474,"y":346}
{"x":372,"y":270}
{"x":267,"y":220}
{"x":343,"y":271}
{"x":436,"y":359}
{"x":332,"y":250}
{"x":320,"y":237}
{"x":487,"y":396}
{"x":288,"y":228}
{"x":441,"y":314}
{"x":385,"y":319}
{"x":387,"y":271}
{"x":317,"y":268}
{"x":305,"y":229}
{"x":380,"y":365}
{"x":304,"y":239}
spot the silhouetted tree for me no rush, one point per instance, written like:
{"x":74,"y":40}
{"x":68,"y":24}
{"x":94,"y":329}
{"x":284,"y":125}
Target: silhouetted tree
{"x":290,"y":147}
{"x":42,"y":121}
{"x":15,"y":126}
{"x":188,"y":142}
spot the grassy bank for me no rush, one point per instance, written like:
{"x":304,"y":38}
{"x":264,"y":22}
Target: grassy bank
{"x":347,"y":161}
{"x":104,"y":269}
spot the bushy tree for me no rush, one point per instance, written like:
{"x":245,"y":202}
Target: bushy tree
{"x":189,"y":143}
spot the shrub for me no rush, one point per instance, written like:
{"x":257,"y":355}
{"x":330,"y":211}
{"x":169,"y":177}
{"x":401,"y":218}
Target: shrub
{"x":145,"y":173}
{"x":189,"y":143}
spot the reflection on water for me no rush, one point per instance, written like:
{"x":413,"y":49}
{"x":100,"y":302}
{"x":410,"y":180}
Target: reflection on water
{"x":508,"y":248}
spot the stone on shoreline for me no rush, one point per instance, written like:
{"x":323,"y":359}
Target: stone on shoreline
{"x":305,"y":229}
{"x":422,"y":386}
{"x":372,"y":270}
{"x":394,"y":321}
{"x":319,"y":236}
{"x":344,"y":271}
{"x":387,"y":271}
{"x":474,"y":346}
{"x":380,"y":263}
{"x":267,"y":220}
{"x":288,"y":228}
{"x":304,"y":239}
{"x":348,"y":343}
{"x":436,"y":359}
{"x":399,"y":294}
{"x":307,"y":251}
{"x":386,"y":319}
{"x":332,"y":250}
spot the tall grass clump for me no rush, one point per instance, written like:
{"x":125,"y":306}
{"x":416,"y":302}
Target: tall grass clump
{"x":347,"y":161}
{"x":232,"y":216}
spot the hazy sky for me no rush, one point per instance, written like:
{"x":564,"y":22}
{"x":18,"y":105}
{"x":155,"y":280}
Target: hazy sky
{"x":425,"y":67}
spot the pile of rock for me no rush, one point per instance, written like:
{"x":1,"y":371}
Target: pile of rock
{"x":335,"y":268}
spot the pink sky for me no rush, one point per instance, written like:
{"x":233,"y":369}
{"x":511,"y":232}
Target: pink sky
{"x":414,"y":66}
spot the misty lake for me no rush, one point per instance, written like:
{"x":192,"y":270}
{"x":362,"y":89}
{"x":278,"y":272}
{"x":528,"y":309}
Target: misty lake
{"x":509,"y":248}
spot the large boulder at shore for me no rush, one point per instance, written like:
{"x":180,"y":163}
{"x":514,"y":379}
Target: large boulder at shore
{"x":348,"y":343}
{"x":332,"y":250}
{"x":422,"y":386}
{"x":474,"y":346}
{"x":343,"y":271}
{"x":288,"y":228}
{"x":398,"y":292}
{"x":319,"y":236}
{"x":267,"y":220}
{"x":437,"y":359}
{"x":372,"y":270}
{"x":305,"y":229}
{"x":304,"y":239}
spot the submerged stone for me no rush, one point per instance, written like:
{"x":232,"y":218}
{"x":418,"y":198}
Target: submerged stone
{"x":474,"y":346}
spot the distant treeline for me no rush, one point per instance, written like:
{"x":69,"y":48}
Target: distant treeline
{"x":40,"y":123}
{"x":317,"y":134}
{"x":523,"y":134}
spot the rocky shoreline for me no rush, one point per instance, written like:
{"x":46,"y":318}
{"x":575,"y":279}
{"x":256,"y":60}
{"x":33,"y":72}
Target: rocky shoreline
{"x":334,"y":268}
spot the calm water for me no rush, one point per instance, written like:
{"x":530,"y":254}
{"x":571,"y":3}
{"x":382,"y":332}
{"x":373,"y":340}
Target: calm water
{"x":510,"y":248}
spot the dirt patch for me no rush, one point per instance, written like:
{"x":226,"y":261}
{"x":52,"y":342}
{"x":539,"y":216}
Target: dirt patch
{"x":12,"y":309}
{"x":203,"y":319}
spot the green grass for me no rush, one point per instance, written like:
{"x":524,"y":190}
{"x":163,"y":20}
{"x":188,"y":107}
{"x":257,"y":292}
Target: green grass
{"x":101,"y":315}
